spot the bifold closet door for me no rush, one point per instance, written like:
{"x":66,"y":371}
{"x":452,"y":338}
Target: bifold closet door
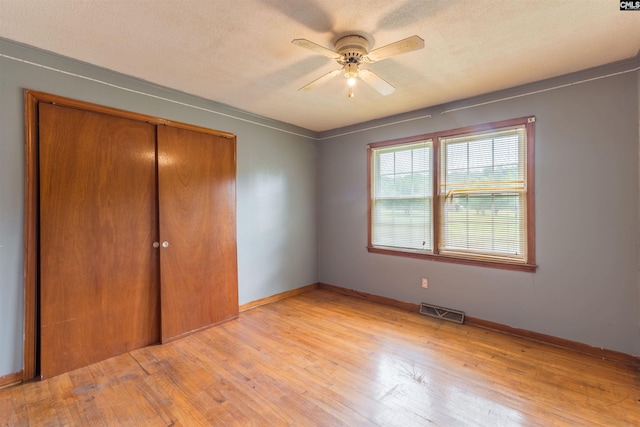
{"x":99,"y":287}
{"x":197,"y":200}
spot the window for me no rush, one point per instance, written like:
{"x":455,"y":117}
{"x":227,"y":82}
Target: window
{"x":403,"y":189}
{"x":464,"y":195}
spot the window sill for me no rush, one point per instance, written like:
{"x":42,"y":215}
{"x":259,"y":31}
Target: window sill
{"x":530,"y":268}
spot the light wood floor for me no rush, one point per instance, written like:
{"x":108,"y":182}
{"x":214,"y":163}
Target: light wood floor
{"x":325,"y":359}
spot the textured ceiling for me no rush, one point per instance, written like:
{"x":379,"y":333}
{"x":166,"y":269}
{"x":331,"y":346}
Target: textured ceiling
{"x":239,"y":52}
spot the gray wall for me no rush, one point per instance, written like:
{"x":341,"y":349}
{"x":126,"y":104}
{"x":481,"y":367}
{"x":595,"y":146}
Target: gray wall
{"x":276,"y":187}
{"x":586,"y":287}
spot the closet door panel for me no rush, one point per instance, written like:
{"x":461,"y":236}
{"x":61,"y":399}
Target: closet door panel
{"x":197,"y":199}
{"x":99,"y":286}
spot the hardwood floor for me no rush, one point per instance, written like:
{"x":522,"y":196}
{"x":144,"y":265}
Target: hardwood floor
{"x":326,"y":359}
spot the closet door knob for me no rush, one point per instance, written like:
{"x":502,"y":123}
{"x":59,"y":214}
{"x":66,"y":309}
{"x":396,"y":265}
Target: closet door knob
{"x":156,"y":244}
{"x":165,"y":244}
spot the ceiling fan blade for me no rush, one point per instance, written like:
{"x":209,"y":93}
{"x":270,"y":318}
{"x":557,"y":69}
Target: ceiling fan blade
{"x":376,"y":82}
{"x":402,"y":46}
{"x":320,"y":80}
{"x":316,"y":48}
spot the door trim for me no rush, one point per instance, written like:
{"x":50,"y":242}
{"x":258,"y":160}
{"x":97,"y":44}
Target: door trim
{"x":32,"y":220}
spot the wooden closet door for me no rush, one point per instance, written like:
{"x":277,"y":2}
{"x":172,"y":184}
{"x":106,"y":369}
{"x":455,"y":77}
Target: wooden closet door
{"x":99,"y":293}
{"x":197,"y":195}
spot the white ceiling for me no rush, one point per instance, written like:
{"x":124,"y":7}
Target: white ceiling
{"x":239,"y":52}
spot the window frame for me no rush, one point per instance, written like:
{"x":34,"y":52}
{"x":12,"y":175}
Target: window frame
{"x":529,"y":264}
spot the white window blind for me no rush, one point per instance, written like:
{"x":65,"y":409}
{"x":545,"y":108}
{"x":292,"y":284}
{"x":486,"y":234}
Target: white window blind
{"x":402,"y":194}
{"x":483,"y":188}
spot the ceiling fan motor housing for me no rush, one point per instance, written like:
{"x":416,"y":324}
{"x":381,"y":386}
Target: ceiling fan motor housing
{"x":353,"y":49}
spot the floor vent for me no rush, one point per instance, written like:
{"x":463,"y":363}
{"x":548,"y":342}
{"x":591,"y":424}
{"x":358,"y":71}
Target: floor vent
{"x":442,"y":313}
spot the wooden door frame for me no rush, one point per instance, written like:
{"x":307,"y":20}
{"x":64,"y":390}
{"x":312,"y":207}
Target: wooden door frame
{"x":32,"y":206}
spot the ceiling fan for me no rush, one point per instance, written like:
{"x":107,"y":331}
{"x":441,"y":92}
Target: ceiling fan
{"x":352,"y":51}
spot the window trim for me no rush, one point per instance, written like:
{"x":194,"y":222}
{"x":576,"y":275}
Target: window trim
{"x":529,"y":265}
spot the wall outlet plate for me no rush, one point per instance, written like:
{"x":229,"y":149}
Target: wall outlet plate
{"x":425,"y":283}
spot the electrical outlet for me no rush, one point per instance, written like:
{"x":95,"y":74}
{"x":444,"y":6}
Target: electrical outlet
{"x":425,"y":283}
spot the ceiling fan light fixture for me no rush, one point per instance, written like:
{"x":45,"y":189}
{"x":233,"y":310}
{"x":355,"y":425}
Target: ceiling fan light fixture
{"x":350,"y":70}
